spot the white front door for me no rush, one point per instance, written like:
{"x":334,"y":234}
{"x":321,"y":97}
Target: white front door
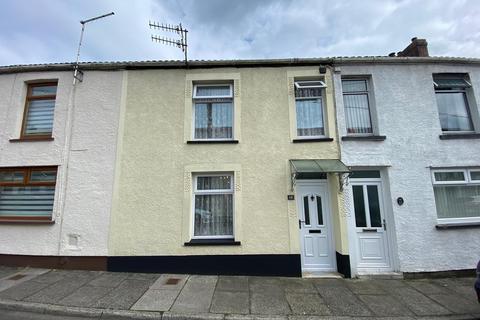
{"x":372,"y":247}
{"x":316,"y":243}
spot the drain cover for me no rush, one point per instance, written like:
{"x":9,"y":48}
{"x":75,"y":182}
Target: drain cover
{"x":172,"y":281}
{"x":17,"y":277}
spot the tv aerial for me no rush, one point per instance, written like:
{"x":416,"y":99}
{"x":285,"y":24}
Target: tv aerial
{"x":178,"y":29}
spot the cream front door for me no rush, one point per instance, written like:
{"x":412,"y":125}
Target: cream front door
{"x":318,"y":254}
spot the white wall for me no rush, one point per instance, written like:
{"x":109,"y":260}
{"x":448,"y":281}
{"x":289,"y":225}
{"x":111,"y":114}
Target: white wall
{"x":405,"y":103}
{"x":85,"y":208}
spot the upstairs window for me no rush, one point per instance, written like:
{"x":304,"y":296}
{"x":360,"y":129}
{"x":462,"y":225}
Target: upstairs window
{"x":452,"y":102}
{"x":309,"y":108}
{"x":27,"y":194}
{"x":457,"y":194}
{"x":213,"y":111}
{"x":39,"y":110}
{"x":357,"y":106}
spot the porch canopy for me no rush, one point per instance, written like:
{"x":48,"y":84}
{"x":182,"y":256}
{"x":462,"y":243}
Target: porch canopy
{"x":316,"y":168}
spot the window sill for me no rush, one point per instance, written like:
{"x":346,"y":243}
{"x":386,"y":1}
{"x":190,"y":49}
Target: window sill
{"x":364,"y":138}
{"x":212,"y":141}
{"x":459,"y":225}
{"x":454,"y":136}
{"x":212,"y":242}
{"x":32,"y":139}
{"x":312,"y":140}
{"x":26,"y":220}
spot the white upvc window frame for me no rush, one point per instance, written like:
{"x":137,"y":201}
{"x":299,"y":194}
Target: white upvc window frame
{"x":196,"y":86}
{"x":307,"y":84}
{"x":195,"y":97}
{"x":368,"y":93}
{"x":467,"y":181}
{"x":195,"y":192}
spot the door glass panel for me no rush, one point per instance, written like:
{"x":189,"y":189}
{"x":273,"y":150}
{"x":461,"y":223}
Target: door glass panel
{"x":374,"y":206}
{"x":359,"y":207}
{"x":319,"y":210}
{"x":306,"y":210}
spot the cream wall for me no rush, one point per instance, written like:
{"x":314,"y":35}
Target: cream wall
{"x":152,"y":200}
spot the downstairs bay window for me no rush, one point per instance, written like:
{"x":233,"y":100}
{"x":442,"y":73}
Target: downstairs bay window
{"x":27,"y":194}
{"x":457,"y":195}
{"x":213,"y":197}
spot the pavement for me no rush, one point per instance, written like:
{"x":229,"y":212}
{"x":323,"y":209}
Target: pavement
{"x":68,"y":294}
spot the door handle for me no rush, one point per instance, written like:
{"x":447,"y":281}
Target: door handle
{"x":384,"y":225}
{"x":300,"y":223}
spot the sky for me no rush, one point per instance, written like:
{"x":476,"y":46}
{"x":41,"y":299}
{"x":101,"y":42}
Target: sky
{"x":44,"y":31}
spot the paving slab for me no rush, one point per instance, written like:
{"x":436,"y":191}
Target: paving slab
{"x":269,"y":302}
{"x":196,"y":295}
{"x":456,"y":303}
{"x":125,"y":295}
{"x":365,"y":287}
{"x":51,"y":276}
{"x":23,"y":275}
{"x":428,"y":287}
{"x":156,"y":300}
{"x":299,"y":286}
{"x":170,"y":282}
{"x":60,"y":289}
{"x":109,"y":280}
{"x":7,"y":271}
{"x":23,"y":290}
{"x":255,"y":317}
{"x":342,"y":301}
{"x":230,"y":302}
{"x":144,"y":276}
{"x":384,"y":305}
{"x":258,"y":284}
{"x":232,"y":283}
{"x":418,"y":303}
{"x":85,"y":296}
{"x":307,"y":304}
{"x":320,"y":283}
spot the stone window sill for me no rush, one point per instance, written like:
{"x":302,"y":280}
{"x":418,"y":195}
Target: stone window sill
{"x":212,"y":242}
{"x":364,"y":138}
{"x":312,"y":140}
{"x":455,"y":136}
{"x":444,"y":226}
{"x":212,"y":141}
{"x":31,"y":139}
{"x":26,"y":221}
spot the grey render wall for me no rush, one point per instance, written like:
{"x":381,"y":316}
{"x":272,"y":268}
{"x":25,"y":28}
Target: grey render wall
{"x":407,"y":114}
{"x":84,"y":210}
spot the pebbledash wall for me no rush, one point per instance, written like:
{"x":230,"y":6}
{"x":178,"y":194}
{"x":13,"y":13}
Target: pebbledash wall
{"x":152,"y":214}
{"x":82,"y":204}
{"x":404,"y":105}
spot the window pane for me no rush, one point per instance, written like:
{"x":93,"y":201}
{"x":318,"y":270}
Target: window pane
{"x":374,"y":207}
{"x":354,"y":85}
{"x":40,"y":117}
{"x":359,"y":207}
{"x":451,"y":83}
{"x":449,"y":176}
{"x":310,"y":117}
{"x":306,"y":210}
{"x":213,"y":91}
{"x":365,"y":174}
{"x":357,"y":113}
{"x":453,"y":111}
{"x":43,"y":176}
{"x":457,"y":201}
{"x":214,"y":120}
{"x":308,"y":92}
{"x":475,"y":175}
{"x":11,"y":176}
{"x":214,"y":183}
{"x":26,"y":201}
{"x":319,"y":210}
{"x":43,"y":91}
{"x":214,"y":215}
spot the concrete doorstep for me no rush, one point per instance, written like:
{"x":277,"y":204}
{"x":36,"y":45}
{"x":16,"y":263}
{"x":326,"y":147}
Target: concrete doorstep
{"x":109,"y":295}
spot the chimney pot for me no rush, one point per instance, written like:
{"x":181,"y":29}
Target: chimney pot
{"x":414,"y":38}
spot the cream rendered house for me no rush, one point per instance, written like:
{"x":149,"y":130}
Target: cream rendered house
{"x":229,"y":167}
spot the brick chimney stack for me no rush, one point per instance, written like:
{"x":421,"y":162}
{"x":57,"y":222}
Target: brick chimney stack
{"x":418,"y":48}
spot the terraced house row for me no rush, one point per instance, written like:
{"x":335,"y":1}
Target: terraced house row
{"x":355,"y":165}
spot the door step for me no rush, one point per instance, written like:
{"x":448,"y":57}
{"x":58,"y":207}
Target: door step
{"x":320,"y":274}
{"x":382,"y":276}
